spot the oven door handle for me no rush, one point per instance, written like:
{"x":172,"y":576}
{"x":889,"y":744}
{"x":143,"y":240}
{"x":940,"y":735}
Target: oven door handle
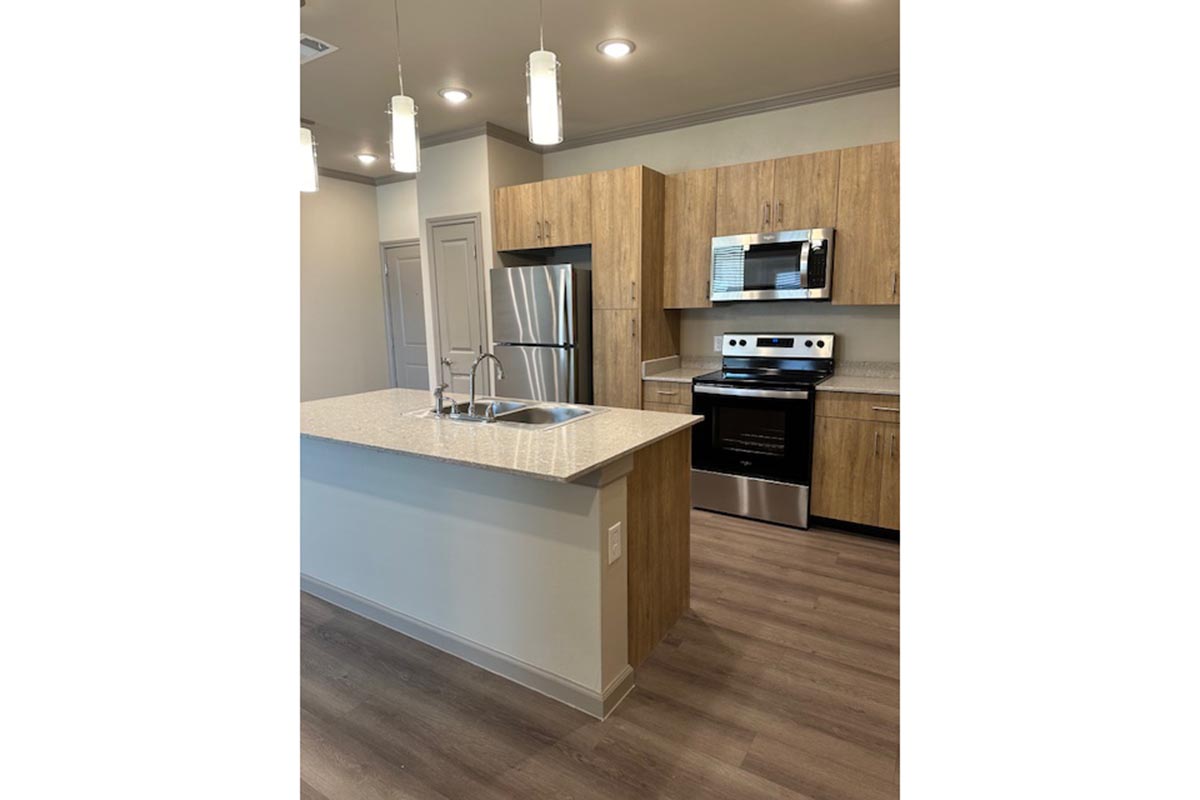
{"x":779,"y":394}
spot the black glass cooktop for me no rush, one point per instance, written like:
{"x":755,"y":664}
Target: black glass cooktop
{"x":763,"y":377}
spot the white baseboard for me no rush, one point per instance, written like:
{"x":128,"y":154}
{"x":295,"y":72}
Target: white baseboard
{"x":596,"y":704}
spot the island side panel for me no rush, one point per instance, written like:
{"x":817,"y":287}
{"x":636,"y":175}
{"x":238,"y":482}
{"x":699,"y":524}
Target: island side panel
{"x":506,"y":562}
{"x":659,"y":573}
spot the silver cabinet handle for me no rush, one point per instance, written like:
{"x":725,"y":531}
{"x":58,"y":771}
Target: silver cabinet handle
{"x":876,"y":442}
{"x":547,"y":230}
{"x":538,"y":227}
{"x":893,"y":445}
{"x":708,"y":290}
{"x":767,"y":214}
{"x":884,"y":408}
{"x":668,"y":394}
{"x":633,"y":328}
{"x":893,"y":283}
{"x":779,"y":394}
{"x":633,"y":290}
{"x":779,"y":214}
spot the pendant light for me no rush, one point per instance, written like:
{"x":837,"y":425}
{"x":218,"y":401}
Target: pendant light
{"x":405,"y":142}
{"x":543,"y":96}
{"x":308,"y":160}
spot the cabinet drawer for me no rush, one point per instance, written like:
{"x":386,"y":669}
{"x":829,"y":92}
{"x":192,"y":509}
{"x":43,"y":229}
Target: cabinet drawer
{"x":670,"y":408}
{"x":667,"y":392}
{"x":872,"y":407}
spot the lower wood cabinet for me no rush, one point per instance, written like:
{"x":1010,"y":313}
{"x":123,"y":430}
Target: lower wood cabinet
{"x":617,"y":360}
{"x":856,"y":460}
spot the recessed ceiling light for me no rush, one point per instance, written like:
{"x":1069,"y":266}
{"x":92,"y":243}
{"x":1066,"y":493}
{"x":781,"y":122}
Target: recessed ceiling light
{"x":367,"y":159}
{"x":454,"y":96}
{"x":616,"y":48}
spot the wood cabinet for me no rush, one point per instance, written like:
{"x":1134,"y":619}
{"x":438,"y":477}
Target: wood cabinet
{"x":866,"y":267}
{"x":689,"y":223}
{"x":617,"y":238}
{"x":617,"y":360}
{"x":567,"y":211}
{"x":784,"y":194}
{"x":744,"y":196}
{"x":667,"y":393}
{"x":806,"y":191}
{"x":856,"y":459}
{"x":517,"y":217}
{"x":553,"y":213}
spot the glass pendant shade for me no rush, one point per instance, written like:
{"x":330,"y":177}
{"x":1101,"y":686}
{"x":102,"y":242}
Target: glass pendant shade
{"x":543,"y":97}
{"x":308,"y":161}
{"x":406,"y":139}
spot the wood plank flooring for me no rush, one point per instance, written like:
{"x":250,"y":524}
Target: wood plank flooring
{"x":782,"y":681}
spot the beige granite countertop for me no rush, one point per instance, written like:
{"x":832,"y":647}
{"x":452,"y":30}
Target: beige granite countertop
{"x":384,"y":420}
{"x":670,"y":369}
{"x":860,"y":384}
{"x":678,"y":375}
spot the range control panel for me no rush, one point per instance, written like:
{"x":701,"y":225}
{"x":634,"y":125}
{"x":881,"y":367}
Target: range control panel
{"x":778,"y":345}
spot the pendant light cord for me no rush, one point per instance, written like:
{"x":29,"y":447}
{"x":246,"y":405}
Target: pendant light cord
{"x":399,"y":71}
{"x":541,"y":35}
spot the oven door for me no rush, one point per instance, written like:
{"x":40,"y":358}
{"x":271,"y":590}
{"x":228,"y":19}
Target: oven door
{"x":759,"y":433}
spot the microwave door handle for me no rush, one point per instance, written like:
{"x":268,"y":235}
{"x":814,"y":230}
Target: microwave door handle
{"x":805,"y":246}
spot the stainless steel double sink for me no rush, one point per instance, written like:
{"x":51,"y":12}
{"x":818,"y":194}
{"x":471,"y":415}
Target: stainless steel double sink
{"x":513,"y":412}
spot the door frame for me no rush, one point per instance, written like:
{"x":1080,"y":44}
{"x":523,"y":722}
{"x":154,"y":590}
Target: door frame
{"x":485,"y":303}
{"x":387,"y":303}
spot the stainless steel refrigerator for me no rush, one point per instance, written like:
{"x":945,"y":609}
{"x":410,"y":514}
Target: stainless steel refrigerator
{"x":542,"y":332}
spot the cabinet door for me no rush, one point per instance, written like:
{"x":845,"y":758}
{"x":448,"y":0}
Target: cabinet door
{"x":744,"y":194}
{"x":517,"y":217}
{"x":690,"y":209}
{"x":806,"y":191}
{"x":889,"y":488}
{"x":847,"y":455}
{"x":617,"y":364}
{"x":567,"y":211}
{"x":616,"y":238}
{"x":866,"y":261}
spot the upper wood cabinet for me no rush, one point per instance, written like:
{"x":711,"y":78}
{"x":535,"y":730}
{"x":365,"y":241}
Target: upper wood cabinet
{"x":791,"y":193}
{"x":517,"y":217}
{"x":553,"y":213}
{"x":567,"y":211}
{"x":744,"y":196}
{"x":617,"y":238}
{"x":689,"y":220}
{"x":806,"y":191}
{"x":866,"y":266}
{"x":856,"y":460}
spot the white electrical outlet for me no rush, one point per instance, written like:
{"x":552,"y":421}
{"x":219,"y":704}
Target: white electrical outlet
{"x":614,"y":543}
{"x":717,"y":341}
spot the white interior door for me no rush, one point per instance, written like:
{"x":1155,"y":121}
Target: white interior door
{"x":406,"y":316}
{"x":460,"y":299}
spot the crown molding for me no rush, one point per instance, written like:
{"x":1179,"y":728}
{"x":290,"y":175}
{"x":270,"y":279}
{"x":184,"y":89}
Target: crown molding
{"x":393,"y":177}
{"x":874,"y":83}
{"x":345,"y":176}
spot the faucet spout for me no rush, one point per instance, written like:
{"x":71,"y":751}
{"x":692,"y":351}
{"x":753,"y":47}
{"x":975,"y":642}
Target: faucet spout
{"x":474,"y":368}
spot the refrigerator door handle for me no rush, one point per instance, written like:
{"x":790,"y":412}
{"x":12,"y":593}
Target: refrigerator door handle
{"x":566,"y":319}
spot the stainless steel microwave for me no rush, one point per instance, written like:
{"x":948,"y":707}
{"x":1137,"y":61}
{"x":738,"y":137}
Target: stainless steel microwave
{"x":781,"y":265}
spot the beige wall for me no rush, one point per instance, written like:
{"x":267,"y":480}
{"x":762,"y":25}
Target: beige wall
{"x":343,"y":344}
{"x":397,"y":205}
{"x":866,"y":333}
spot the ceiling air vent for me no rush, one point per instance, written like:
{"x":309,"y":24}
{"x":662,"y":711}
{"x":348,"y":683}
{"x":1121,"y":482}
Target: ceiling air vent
{"x":312,"y":48}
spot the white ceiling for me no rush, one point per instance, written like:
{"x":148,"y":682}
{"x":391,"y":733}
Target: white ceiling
{"x":692,"y":56}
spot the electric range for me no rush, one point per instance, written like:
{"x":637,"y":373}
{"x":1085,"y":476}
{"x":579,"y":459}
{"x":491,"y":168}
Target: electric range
{"x":752,"y":455}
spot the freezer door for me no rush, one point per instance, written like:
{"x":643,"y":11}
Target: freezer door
{"x":538,"y":373}
{"x":533,"y":305}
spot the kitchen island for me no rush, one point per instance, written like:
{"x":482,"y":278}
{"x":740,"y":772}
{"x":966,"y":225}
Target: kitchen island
{"x":556,"y":556}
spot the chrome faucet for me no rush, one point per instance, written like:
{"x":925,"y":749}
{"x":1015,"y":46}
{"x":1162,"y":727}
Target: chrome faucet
{"x":491,"y":411}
